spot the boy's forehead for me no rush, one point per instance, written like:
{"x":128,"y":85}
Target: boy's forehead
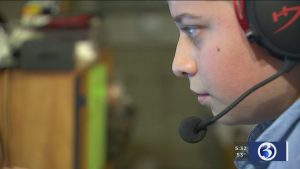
{"x":203,"y":8}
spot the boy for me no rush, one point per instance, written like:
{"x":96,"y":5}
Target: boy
{"x":220,"y":63}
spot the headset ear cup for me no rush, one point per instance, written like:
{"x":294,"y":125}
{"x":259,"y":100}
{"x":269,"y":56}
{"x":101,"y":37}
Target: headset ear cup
{"x":240,"y":11}
{"x":276,"y":25}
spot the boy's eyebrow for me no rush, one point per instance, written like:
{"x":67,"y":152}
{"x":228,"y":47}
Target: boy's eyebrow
{"x":179,"y":18}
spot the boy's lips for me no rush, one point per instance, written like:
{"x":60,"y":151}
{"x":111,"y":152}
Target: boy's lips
{"x":202,"y":97}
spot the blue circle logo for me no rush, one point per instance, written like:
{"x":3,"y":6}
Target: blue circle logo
{"x":267,"y":151}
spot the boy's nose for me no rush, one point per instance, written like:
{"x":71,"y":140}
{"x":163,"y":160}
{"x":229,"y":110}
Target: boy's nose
{"x":184,"y":64}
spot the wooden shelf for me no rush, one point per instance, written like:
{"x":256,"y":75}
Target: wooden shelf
{"x":37,"y":120}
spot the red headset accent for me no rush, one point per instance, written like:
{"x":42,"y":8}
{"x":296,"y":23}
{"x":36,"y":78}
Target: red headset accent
{"x":239,"y":8}
{"x":284,"y":12}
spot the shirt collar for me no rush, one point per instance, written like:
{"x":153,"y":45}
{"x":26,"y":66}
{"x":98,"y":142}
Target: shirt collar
{"x":276,"y":130}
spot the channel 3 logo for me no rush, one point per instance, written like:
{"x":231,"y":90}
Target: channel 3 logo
{"x":268,"y":151}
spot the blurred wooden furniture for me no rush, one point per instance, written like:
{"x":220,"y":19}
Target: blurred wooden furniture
{"x":37,"y":119}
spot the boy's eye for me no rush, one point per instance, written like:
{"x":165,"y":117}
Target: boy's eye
{"x":191,"y":31}
{"x":194,"y":32}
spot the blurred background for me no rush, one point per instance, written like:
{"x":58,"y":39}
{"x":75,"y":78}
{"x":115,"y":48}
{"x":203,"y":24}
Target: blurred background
{"x":88,"y":85}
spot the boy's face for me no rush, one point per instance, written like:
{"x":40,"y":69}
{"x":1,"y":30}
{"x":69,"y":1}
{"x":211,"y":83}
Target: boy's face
{"x":214,"y":54}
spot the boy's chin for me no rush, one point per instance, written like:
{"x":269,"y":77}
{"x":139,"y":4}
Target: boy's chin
{"x":227,"y":119}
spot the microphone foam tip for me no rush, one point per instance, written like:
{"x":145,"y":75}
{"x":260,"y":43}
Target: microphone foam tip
{"x":188,"y":127}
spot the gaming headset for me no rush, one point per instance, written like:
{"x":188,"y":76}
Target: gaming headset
{"x":274,"y":25}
